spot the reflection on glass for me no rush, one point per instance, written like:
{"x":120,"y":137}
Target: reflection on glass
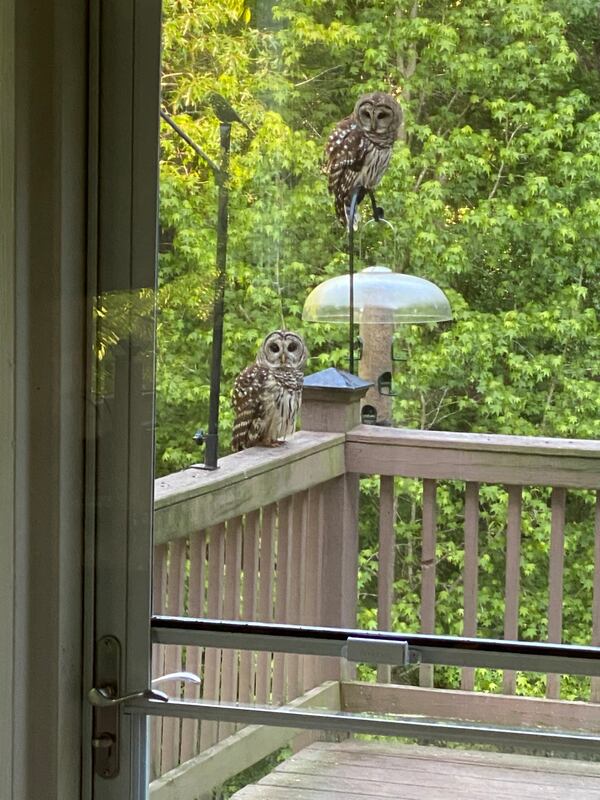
{"x":123,"y":320}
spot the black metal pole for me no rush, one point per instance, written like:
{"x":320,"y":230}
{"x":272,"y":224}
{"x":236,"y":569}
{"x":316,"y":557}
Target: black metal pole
{"x":351,"y":215}
{"x":195,"y":147}
{"x":211,"y":452}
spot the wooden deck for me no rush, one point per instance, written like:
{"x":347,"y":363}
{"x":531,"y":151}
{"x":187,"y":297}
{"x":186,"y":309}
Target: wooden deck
{"x":370,"y":771}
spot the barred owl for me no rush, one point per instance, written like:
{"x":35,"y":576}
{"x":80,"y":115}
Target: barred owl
{"x":268,"y":393}
{"x":359,"y":149}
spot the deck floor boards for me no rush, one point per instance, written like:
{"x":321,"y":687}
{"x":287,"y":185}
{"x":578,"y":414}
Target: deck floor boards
{"x":372,"y":771}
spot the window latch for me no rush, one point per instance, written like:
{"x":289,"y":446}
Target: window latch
{"x":380,"y":651}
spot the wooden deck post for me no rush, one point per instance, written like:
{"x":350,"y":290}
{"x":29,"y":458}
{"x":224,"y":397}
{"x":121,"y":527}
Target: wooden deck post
{"x":331,"y":402}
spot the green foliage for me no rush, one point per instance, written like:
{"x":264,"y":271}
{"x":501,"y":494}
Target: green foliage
{"x":534,"y":562}
{"x":252,"y":774}
{"x":493,"y":191}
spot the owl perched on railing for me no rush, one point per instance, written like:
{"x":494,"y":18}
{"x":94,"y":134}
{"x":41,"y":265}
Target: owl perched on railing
{"x":267,"y":394}
{"x":359,"y":149}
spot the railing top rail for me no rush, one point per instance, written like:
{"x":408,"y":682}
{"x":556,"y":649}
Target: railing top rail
{"x":478,"y":457}
{"x":534,"y":445}
{"x":236,"y":467}
{"x":194,"y":499}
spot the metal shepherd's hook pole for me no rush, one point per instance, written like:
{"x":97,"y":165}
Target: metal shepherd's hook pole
{"x":354,"y":200}
{"x":378,"y":216}
{"x":211,"y":452}
{"x":226,"y":115}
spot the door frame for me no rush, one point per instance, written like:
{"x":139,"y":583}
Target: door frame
{"x":122,"y":253}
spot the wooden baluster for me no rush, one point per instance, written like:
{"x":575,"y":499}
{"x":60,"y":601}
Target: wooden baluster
{"x":428,"y":565}
{"x":250,"y":568}
{"x":266,"y":561}
{"x":159,"y":601}
{"x":471,"y":570}
{"x":513,"y":578}
{"x":339,"y":596}
{"x":173,"y":658}
{"x":303,"y":660}
{"x":282,"y":593}
{"x":386,"y":563}
{"x":596,"y":601}
{"x":297,"y":572}
{"x":300,"y":666}
{"x":555,"y":590}
{"x":212,"y":655}
{"x":231,"y":610}
{"x":193,"y":660}
{"x":314,"y":576}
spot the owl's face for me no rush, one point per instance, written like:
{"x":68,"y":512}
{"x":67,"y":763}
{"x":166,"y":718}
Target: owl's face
{"x":283,"y":349}
{"x":379,"y":115}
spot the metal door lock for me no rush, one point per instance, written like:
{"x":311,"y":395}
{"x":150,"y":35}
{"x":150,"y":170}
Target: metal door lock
{"x":106,"y":700}
{"x":104,"y":741}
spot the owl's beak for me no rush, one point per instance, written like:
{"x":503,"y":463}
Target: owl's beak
{"x":283,"y":358}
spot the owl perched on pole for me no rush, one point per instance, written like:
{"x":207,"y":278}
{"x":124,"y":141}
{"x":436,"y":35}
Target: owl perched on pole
{"x":268,"y":393}
{"x":359,"y":149}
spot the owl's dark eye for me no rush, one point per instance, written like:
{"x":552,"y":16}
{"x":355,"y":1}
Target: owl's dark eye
{"x":382,"y":114}
{"x":291,"y":347}
{"x":274,"y":348}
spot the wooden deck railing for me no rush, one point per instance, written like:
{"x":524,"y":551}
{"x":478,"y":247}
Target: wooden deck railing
{"x":273,"y":535}
{"x":513,"y":461}
{"x":236,"y":544}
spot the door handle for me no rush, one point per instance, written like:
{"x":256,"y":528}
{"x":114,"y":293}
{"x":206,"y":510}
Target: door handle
{"x":103,"y":696}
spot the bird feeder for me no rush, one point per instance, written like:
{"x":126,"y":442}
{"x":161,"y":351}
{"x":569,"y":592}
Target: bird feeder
{"x":382,"y":299}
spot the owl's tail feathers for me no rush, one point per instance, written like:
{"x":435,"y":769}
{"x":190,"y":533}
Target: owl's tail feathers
{"x":239,"y":438}
{"x":340,"y":210}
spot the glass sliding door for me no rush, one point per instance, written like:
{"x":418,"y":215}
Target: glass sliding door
{"x":349,"y":530}
{"x":124,"y":68}
{"x":255,"y":596}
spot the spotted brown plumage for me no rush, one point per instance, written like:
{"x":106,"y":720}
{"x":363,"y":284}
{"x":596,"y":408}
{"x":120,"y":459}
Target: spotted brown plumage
{"x":267,"y":394}
{"x":359,"y":149}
